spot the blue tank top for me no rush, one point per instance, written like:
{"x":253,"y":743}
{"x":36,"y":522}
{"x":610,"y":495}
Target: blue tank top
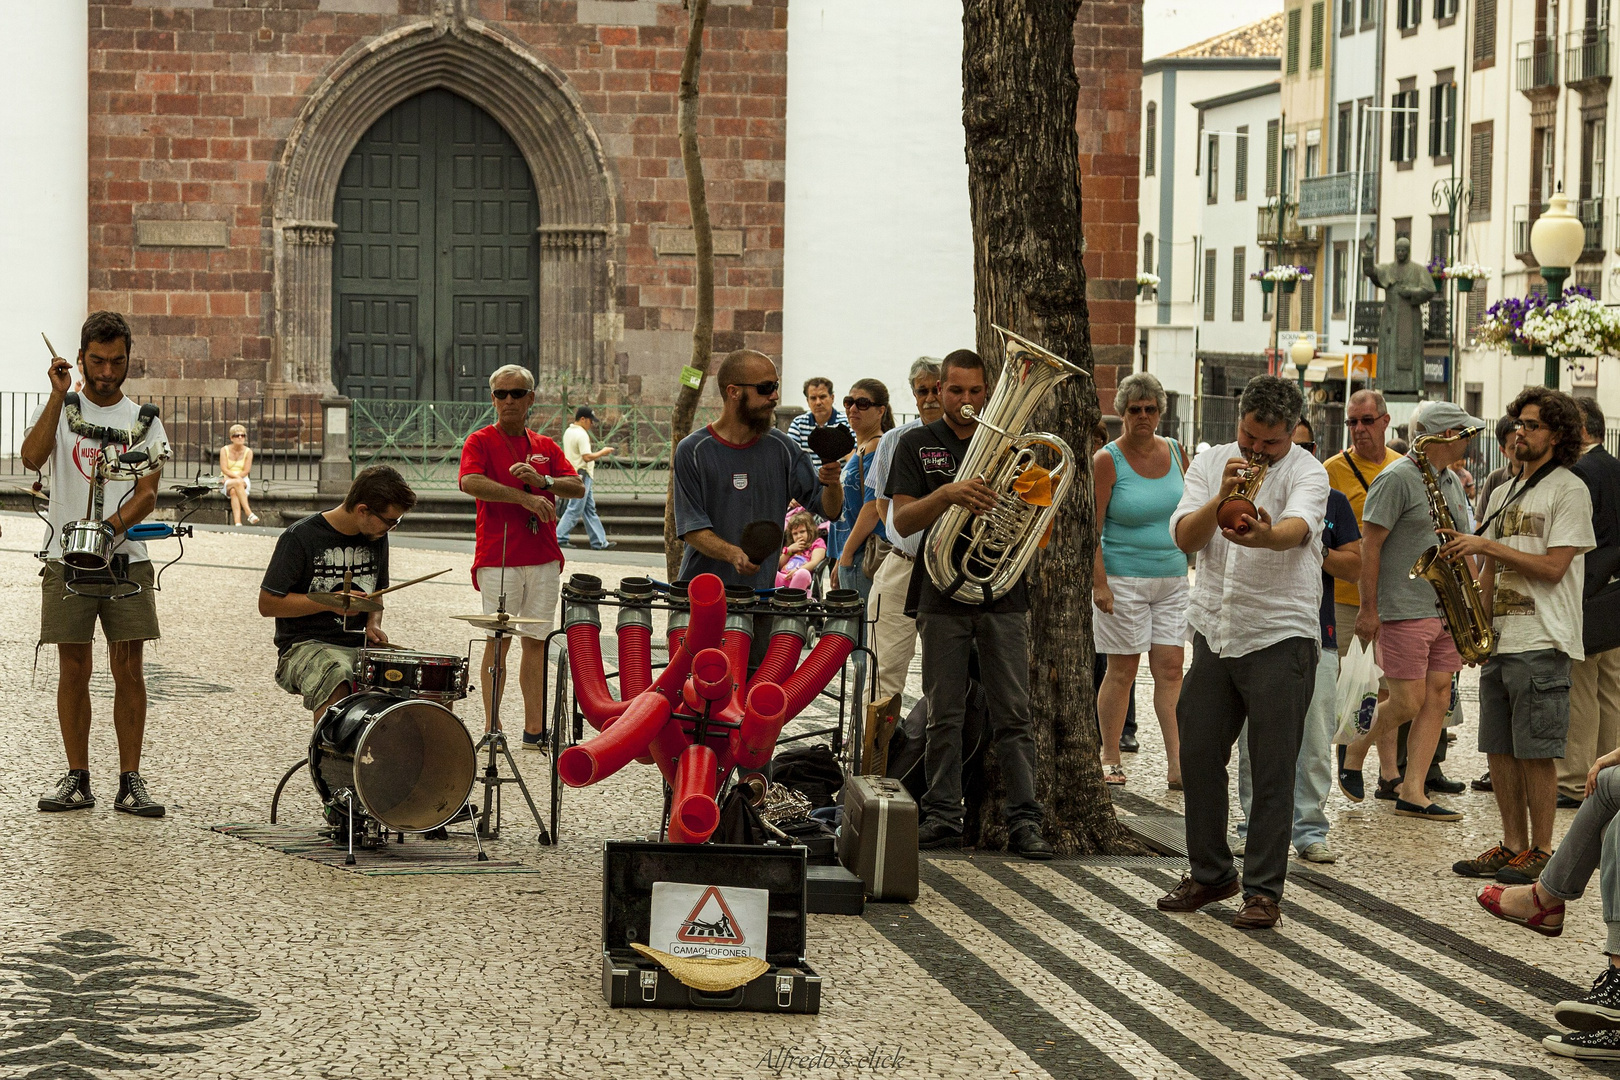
{"x":1136,"y":538}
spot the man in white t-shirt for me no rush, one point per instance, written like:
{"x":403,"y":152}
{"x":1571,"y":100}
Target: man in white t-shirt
{"x":576,"y":446}
{"x":1536,"y":532}
{"x":62,"y":438}
{"x":894,"y":633}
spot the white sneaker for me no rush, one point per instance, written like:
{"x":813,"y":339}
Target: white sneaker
{"x":1319,"y":852}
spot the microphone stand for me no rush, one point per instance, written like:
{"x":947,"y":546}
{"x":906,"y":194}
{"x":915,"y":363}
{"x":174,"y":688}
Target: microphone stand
{"x":493,"y":744}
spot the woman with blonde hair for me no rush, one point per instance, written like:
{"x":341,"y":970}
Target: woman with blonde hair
{"x":235,"y":462}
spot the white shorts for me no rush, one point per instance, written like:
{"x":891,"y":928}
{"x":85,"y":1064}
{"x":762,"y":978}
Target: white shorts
{"x":531,"y":593}
{"x":1147,"y":611}
{"x":247,"y":485}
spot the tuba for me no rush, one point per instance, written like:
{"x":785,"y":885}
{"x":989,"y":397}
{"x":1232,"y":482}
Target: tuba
{"x":1229,"y":512}
{"x":978,"y":558}
{"x":1461,"y":602}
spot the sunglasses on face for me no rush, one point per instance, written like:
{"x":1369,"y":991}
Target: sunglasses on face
{"x":1310,"y":447}
{"x":1142,"y":410}
{"x":763,"y":389}
{"x":238,"y":434}
{"x":391,"y":522}
{"x":502,"y":395}
{"x":852,"y":403}
{"x":1363,"y":421}
{"x":926,"y":391}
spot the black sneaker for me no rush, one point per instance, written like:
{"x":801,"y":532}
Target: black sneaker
{"x":1590,"y":1045}
{"x":1483,"y":783}
{"x":1438,"y":781}
{"x":1433,"y":812}
{"x":133,"y":799}
{"x":1128,"y":744}
{"x":935,"y":835}
{"x":1388,"y":789}
{"x":1598,"y":1010}
{"x":1350,"y":780}
{"x":1568,"y":802}
{"x":72,"y":793}
{"x":1026,"y":840}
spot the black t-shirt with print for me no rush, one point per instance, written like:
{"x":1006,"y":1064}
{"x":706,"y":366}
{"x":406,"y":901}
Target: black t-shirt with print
{"x":925,"y":460}
{"x":311,"y":556}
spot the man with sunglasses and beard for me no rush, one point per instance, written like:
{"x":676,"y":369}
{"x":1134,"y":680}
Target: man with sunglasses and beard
{"x":741,"y":469}
{"x":517,"y":476}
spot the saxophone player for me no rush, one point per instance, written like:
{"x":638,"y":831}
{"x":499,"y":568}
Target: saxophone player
{"x":1398,"y":616}
{"x":1255,"y":613}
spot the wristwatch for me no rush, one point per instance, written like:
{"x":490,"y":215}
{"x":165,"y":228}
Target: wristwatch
{"x":547,"y":478}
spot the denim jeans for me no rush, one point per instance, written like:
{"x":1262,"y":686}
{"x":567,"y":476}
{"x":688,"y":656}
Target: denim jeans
{"x":1313,"y":772}
{"x":582,"y":508}
{"x":1588,"y":844}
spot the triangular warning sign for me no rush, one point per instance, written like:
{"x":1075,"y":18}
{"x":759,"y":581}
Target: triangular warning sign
{"x":711,"y":921}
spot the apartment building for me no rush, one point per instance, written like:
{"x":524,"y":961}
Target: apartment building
{"x":1198,"y":179}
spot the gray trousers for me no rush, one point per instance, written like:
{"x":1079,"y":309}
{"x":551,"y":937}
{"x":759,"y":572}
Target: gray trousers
{"x":1003,"y":642}
{"x":1588,"y":844}
{"x":1271,"y":690}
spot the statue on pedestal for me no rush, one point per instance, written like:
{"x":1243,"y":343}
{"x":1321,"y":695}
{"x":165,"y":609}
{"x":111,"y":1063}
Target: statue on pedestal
{"x":1407,"y":287}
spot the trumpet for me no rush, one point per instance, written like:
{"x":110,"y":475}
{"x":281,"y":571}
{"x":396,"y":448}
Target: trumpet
{"x":1230,"y":511}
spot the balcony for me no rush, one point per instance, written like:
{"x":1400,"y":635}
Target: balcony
{"x":1523,"y":218}
{"x":1586,"y":55}
{"x":1293,"y":234}
{"x":1436,"y":323}
{"x":1334,"y":196}
{"x":1537,"y":63}
{"x":1590,"y":211}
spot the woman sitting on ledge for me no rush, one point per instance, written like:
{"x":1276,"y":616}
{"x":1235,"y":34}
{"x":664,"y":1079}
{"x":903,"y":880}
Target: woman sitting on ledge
{"x":235,"y":462}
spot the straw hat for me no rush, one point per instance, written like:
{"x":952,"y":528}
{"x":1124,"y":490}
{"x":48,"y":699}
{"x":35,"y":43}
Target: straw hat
{"x":711,"y":975}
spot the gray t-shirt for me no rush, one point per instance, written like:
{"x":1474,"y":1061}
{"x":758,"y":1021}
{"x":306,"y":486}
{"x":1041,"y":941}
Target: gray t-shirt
{"x":723,"y":486}
{"x":1398,"y":501}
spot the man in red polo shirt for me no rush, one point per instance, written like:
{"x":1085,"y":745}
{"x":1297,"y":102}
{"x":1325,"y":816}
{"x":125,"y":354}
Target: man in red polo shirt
{"x":517,"y":476}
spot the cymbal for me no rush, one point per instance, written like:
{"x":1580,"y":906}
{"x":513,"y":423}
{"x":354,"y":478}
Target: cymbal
{"x":496,"y":622}
{"x":345,"y":602}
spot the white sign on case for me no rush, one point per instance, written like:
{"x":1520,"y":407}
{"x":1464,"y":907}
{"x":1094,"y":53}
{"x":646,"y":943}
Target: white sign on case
{"x":709,"y":920}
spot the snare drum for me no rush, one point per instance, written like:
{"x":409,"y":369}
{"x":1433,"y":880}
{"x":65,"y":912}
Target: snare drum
{"x":434,"y":676}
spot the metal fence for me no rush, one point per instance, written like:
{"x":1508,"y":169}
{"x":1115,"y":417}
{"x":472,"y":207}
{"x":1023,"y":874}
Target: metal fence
{"x":285,"y":434}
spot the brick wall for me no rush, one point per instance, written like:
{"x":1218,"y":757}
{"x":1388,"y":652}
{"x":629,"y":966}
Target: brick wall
{"x":190,"y":108}
{"x":1108,"y":60}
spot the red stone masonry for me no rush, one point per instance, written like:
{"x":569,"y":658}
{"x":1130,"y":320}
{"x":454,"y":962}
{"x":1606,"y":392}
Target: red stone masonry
{"x":1108,"y":60}
{"x":190,"y":107}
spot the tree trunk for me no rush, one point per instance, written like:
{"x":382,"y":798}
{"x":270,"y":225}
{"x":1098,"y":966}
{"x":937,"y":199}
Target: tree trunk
{"x":1019,"y":95}
{"x":686,"y":400}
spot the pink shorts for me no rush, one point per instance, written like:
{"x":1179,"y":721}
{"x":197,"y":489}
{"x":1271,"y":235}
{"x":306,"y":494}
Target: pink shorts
{"x":1411,"y":648}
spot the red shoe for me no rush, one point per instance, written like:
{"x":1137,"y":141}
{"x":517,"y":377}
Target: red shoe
{"x":1490,"y":898}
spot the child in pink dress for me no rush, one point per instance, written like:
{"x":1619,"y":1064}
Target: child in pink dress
{"x":803,"y":552}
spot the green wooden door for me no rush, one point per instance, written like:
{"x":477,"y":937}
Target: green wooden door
{"x":435,"y":260}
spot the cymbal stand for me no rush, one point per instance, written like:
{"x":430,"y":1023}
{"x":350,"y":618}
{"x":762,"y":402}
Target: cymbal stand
{"x":493,"y":743}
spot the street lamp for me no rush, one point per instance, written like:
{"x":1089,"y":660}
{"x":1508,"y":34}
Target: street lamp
{"x":1302,"y":352}
{"x":1556,"y":240}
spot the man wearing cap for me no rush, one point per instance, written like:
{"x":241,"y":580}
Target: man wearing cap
{"x":576,"y":445}
{"x":1398,"y":614}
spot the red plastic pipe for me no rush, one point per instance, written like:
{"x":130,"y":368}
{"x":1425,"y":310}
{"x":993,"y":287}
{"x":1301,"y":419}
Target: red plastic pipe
{"x":635,"y":659}
{"x":693,"y":804}
{"x":711,"y":675}
{"x":780,"y":656}
{"x":818,"y":669}
{"x":602,"y":756}
{"x":751,"y":744}
{"x":590,"y":679}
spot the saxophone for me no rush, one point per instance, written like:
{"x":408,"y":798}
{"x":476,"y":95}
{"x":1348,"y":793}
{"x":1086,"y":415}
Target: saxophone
{"x":1461,"y":602}
{"x":978,"y":558}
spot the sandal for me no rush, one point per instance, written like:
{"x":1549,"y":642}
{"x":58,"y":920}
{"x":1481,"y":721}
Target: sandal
{"x":1113,"y":774}
{"x":1173,"y":785}
{"x":253,"y":519}
{"x":1490,"y":898}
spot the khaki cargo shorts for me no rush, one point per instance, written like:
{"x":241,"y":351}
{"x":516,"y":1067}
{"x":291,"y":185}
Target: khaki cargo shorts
{"x":315,"y":669}
{"x":70,"y":619}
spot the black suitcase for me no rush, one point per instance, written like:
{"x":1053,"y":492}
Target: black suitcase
{"x":832,"y":890}
{"x":630,"y":980}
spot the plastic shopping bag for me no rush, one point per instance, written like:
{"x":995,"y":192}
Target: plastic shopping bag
{"x":1357,"y":692}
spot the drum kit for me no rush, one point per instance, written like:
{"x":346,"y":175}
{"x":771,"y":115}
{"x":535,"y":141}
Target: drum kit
{"x":392,"y":758}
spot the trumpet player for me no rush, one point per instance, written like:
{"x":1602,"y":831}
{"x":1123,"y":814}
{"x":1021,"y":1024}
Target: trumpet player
{"x":1254,"y":612}
{"x":1411,"y":642}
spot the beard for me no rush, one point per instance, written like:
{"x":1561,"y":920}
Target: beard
{"x":760,"y":420}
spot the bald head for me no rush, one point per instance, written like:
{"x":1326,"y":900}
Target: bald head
{"x":1369,"y":398}
{"x":744,"y":366}
{"x":741,"y":375}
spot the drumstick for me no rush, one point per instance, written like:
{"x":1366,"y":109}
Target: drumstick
{"x":49,"y":346}
{"x":413,"y":581}
{"x":348,"y":580}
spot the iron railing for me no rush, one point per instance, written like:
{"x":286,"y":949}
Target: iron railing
{"x":285,"y":434}
{"x":1590,"y":211}
{"x":1436,"y":320}
{"x":1334,"y":196}
{"x":1537,"y":63}
{"x":1586,"y":55}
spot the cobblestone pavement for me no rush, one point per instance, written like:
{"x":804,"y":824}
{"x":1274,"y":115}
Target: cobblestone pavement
{"x":129,"y":944}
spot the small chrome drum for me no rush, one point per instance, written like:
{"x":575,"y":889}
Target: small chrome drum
{"x":87,"y":544}
{"x":434,"y":676}
{"x":406,"y":763}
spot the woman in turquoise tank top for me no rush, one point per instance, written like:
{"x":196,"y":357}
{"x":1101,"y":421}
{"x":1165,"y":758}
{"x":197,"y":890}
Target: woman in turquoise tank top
{"x":1139,"y":580}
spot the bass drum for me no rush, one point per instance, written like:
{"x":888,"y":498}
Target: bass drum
{"x":409,"y":763}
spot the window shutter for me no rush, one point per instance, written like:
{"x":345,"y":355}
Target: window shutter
{"x":1209,"y":285}
{"x":1484,"y":32}
{"x":1318,"y":14}
{"x":1449,"y":134}
{"x":1150,"y":147}
{"x":1240,"y":281}
{"x":1479,"y":170}
{"x":1272,"y":136}
{"x":1293,"y":40}
{"x":1307,"y":305}
{"x":1475,"y":313}
{"x":1240,"y":175}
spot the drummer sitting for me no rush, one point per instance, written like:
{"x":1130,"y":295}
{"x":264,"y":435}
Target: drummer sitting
{"x":318,"y":645}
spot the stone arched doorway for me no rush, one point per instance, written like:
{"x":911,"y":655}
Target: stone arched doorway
{"x":575,"y":206}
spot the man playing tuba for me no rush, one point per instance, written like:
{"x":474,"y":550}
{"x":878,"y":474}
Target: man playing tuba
{"x":1254,"y":611}
{"x":1413,"y":644}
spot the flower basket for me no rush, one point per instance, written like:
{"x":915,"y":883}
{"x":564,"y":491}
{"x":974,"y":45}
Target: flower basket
{"x":1267,"y":285}
{"x":1465,"y":284}
{"x":1288,"y":286}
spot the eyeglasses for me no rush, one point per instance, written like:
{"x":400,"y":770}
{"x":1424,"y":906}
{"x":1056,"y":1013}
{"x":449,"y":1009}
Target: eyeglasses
{"x":763,"y":389}
{"x":863,"y":404}
{"x":1142,"y":410}
{"x":238,"y":434}
{"x":502,"y":395}
{"x":926,"y":391}
{"x":392,"y":523}
{"x":1529,"y":426}
{"x":1363,"y":421}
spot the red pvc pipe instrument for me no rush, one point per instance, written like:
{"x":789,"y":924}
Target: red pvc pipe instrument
{"x":751,"y":744}
{"x":599,"y":758}
{"x":693,"y":805}
{"x":818,"y":669}
{"x":780,"y":656}
{"x":711,"y":675}
{"x":635,"y":659}
{"x":596,"y":701}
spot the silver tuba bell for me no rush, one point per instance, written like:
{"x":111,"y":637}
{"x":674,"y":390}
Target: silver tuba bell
{"x":978,"y":558}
